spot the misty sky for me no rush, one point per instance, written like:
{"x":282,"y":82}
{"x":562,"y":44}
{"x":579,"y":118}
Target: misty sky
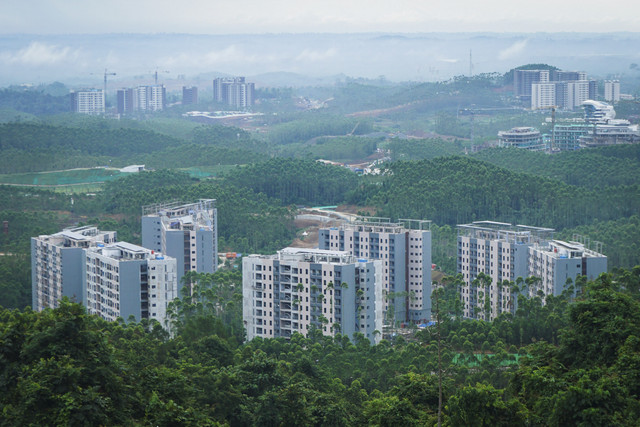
{"x":303,"y":16}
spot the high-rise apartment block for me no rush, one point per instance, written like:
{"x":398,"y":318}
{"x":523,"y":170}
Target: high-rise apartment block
{"x":187,"y":232}
{"x":612,"y":90}
{"x":141,"y":98}
{"x":298,"y":290}
{"x":124,"y":280}
{"x":556,"y":261}
{"x":111,"y":279}
{"x":545,"y":88}
{"x":503,"y":253}
{"x":405,"y":251}
{"x":234,"y":91}
{"x":89,"y":101}
{"x":56,"y":264}
{"x":189,"y":95}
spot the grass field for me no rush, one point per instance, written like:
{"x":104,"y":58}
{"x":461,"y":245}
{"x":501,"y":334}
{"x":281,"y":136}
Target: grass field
{"x":67,"y":177}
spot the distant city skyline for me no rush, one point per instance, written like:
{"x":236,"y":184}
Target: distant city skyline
{"x":327,"y":16}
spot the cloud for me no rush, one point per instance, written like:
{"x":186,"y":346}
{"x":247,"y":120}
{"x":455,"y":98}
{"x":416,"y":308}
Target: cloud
{"x":448,"y":60}
{"x":314,"y":55}
{"x":41,"y":54}
{"x":512,"y":50}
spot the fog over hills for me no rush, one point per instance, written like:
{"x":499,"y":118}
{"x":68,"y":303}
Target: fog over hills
{"x":312,"y":59}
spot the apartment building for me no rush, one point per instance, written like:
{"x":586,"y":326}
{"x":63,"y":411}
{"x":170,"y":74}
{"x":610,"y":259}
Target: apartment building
{"x":234,"y":91}
{"x":612,"y":90}
{"x":501,"y":252}
{"x":298,"y":290}
{"x":90,"y":101}
{"x":141,"y":98}
{"x":189,"y":95}
{"x":404,"y":247}
{"x":185,"y":231}
{"x":556,"y":261}
{"x":123,"y":280}
{"x":56,"y":264}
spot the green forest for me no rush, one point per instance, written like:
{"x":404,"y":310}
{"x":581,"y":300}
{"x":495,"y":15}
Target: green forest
{"x":572,"y":359}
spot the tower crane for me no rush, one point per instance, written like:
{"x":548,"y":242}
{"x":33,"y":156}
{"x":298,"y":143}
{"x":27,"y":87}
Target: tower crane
{"x":155,"y":74}
{"x":106,"y":74}
{"x":553,"y":124}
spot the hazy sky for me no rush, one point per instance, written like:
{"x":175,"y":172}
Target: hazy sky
{"x":303,"y":16}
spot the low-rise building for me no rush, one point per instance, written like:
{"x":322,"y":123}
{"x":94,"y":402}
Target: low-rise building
{"x":522,"y":137}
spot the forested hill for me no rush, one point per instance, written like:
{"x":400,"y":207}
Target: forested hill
{"x":572,"y":361}
{"x":599,"y":167}
{"x":454,"y":190}
{"x":39,"y":147}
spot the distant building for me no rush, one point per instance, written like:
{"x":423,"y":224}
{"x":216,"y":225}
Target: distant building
{"x":187,"y":232}
{"x":233,"y":91}
{"x":522,"y":137}
{"x":555,"y":262}
{"x":606,"y":129}
{"x":611,"y":90}
{"x":567,"y":136}
{"x":299,"y":290}
{"x":141,"y":98}
{"x":189,"y":95}
{"x":125,"y":101}
{"x":524,"y":79}
{"x":125,"y":280}
{"x":404,"y":248}
{"x":89,"y":101}
{"x":56,"y":264}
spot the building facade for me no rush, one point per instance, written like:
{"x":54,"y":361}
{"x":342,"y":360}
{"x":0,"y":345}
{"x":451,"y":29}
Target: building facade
{"x":124,"y":280}
{"x":556,"y":261}
{"x":89,"y":101}
{"x":499,"y":251}
{"x":405,"y":251}
{"x":299,"y":290}
{"x":56,"y":264}
{"x":187,"y":232}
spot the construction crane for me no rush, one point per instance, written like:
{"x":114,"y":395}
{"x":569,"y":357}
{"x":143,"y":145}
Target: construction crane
{"x":155,"y":74}
{"x":553,"y":124}
{"x":106,"y":74}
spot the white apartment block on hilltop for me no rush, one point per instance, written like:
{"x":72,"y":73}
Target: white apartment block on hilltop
{"x":501,"y":252}
{"x":185,"y":231}
{"x":405,"y":251}
{"x":56,"y":264}
{"x":299,"y":290}
{"x":123,"y":280}
{"x":90,"y":101}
